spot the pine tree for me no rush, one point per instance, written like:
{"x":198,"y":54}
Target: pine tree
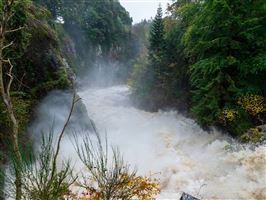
{"x":156,"y":48}
{"x":157,"y":32}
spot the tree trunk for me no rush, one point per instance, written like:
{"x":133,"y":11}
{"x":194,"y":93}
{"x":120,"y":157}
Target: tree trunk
{"x":5,"y":93}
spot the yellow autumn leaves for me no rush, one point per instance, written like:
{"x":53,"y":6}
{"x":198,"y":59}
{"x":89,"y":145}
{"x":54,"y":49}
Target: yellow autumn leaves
{"x":227,"y":115}
{"x":134,"y":187}
{"x":143,"y":188}
{"x":251,"y":103}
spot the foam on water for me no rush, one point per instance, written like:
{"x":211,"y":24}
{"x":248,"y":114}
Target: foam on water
{"x":165,"y":145}
{"x":176,"y":150}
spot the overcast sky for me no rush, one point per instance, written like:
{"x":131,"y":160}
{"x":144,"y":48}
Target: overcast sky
{"x":143,"y":9}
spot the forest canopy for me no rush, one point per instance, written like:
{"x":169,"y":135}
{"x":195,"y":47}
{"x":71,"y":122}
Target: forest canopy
{"x":207,"y":57}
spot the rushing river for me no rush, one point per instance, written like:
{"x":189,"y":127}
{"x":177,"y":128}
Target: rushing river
{"x":174,"y":149}
{"x":183,"y":156}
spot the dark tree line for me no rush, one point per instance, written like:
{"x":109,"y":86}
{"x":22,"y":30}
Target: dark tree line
{"x":208,"y":56}
{"x":97,"y":28}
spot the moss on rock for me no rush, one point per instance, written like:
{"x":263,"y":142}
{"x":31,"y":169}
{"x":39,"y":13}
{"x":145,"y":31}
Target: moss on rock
{"x":254,"y":135}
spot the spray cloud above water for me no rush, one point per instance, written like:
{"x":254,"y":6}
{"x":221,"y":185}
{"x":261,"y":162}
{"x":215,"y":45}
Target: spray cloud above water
{"x":165,"y":145}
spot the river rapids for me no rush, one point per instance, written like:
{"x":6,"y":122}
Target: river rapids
{"x":168,"y":146}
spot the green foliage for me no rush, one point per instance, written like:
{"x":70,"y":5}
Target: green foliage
{"x":208,"y":54}
{"x":148,"y":76}
{"x":22,"y":105}
{"x":38,"y":66}
{"x":37,"y":62}
{"x":157,"y":33}
{"x":219,"y":53}
{"x":36,"y":55}
{"x":253,"y":135}
{"x":59,"y":82}
{"x":96,"y":27}
{"x":39,"y":183}
{"x":51,"y":5}
{"x":38,"y":180}
{"x":141,"y":34}
{"x":156,"y":48}
{"x":164,"y":78}
{"x":92,"y":31}
{"x":240,"y":124}
{"x":19,"y":39}
{"x":104,"y":22}
{"x":142,"y":78}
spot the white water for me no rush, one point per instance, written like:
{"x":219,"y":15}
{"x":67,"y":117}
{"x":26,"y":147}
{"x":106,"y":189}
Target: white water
{"x":166,"y":145}
{"x":177,"y":150}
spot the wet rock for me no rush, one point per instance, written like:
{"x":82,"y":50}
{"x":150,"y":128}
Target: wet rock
{"x":52,"y":112}
{"x":186,"y":196}
{"x":80,"y":119}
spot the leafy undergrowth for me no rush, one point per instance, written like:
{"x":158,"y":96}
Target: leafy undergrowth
{"x":133,"y":187}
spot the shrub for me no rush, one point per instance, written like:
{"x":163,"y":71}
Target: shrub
{"x":110,"y":179}
{"x":253,"y":104}
{"x":227,"y":115}
{"x":40,"y":180}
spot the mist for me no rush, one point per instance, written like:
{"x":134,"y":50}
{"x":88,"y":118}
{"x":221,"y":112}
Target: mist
{"x":52,"y":113}
{"x":165,"y":145}
{"x":103,"y":73}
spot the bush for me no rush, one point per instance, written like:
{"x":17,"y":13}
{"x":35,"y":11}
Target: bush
{"x":41,"y":180}
{"x":254,"y":104}
{"x":110,"y":179}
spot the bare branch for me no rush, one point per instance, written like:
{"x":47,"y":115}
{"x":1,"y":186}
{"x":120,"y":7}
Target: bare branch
{"x":21,"y":82}
{"x":74,"y":101}
{"x":8,"y":45}
{"x":5,"y":89}
{"x":14,"y":30}
{"x":10,"y":17}
{"x":11,"y":78}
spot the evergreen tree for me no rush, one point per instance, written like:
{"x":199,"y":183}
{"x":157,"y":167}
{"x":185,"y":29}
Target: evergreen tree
{"x":212,"y":52}
{"x":226,"y":48}
{"x":157,"y":32}
{"x":156,"y":48}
